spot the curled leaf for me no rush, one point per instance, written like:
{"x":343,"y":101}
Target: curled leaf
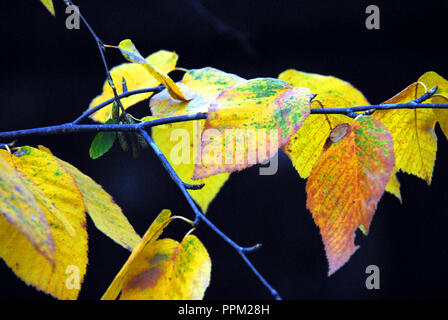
{"x":130,"y":52}
{"x":169,"y":270}
{"x":163,"y":269}
{"x":136,"y":78}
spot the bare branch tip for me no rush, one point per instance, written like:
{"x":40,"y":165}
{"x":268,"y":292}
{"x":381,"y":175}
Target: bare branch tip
{"x":194,"y":186}
{"x":253,"y":248}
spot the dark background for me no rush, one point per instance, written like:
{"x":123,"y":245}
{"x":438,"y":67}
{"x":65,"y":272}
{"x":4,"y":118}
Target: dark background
{"x":49,"y":75}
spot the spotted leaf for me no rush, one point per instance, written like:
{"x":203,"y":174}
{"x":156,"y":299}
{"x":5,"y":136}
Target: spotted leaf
{"x":346,"y":184}
{"x":248,"y":122}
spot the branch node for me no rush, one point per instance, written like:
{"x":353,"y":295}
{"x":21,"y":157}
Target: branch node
{"x":369,"y":112}
{"x":253,"y":248}
{"x":426,"y":95}
{"x":194,"y":186}
{"x":8,"y":145}
{"x":351,"y":114}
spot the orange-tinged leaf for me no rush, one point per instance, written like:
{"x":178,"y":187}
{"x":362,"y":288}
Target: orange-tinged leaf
{"x":169,"y":270}
{"x":58,"y":188}
{"x":415,"y":142}
{"x":130,"y":52}
{"x":21,"y":209}
{"x":248,"y":122}
{"x":346,"y":184}
{"x":432,"y":79}
{"x":136,"y":78}
{"x":106,"y":215}
{"x":307,"y":143}
{"x":151,"y":235}
{"x":180,"y":142}
{"x":49,"y":5}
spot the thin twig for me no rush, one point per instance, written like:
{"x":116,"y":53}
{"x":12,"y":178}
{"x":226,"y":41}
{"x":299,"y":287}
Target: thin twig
{"x":101,"y":48}
{"x":415,"y":104}
{"x":194,"y":186}
{"x":91,"y":111}
{"x":79,"y":128}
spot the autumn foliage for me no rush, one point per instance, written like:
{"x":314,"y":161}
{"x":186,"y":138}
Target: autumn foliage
{"x":348,"y":161}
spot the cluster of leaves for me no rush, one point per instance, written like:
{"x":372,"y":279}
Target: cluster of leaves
{"x":43,"y":201}
{"x":349,"y":163}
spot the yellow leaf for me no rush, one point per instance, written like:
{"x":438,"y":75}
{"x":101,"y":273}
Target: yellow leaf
{"x":64,"y":194}
{"x":106,"y":215}
{"x":151,"y":235}
{"x":247,"y":124}
{"x":432,"y":79}
{"x":19,"y":253}
{"x":49,"y":5}
{"x":306,"y":145}
{"x":415,"y":142}
{"x":21,"y":209}
{"x":209,"y":81}
{"x":184,"y":138}
{"x":163,"y":269}
{"x":169,"y":270}
{"x":131,"y":53}
{"x":136,"y":78}
{"x":324,"y":86}
{"x":180,"y":142}
{"x":393,"y":186}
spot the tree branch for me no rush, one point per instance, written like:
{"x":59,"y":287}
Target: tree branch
{"x":199,"y":215}
{"x":91,"y":111}
{"x":415,"y":104}
{"x":79,"y":128}
{"x":75,"y":127}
